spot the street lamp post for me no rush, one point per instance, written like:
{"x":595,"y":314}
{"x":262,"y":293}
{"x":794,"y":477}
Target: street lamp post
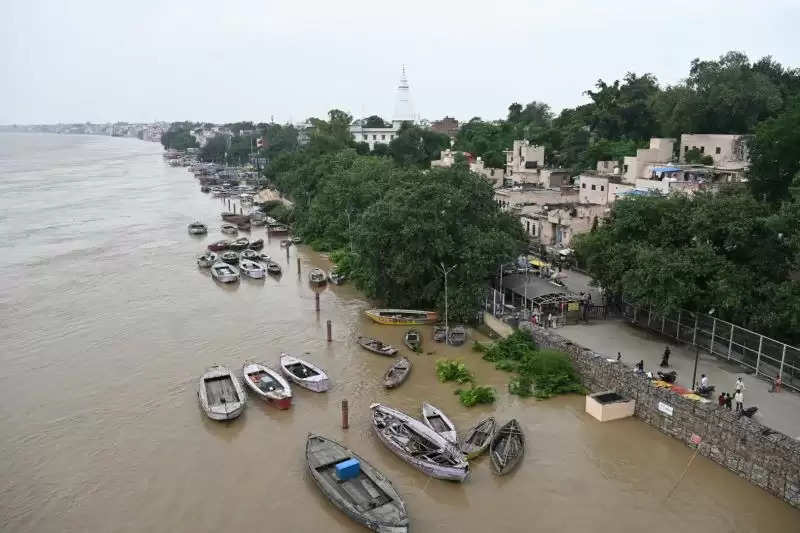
{"x":446,"y":271}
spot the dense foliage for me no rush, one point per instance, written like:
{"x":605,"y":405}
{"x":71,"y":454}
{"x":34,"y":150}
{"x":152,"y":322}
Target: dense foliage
{"x":475,"y":395}
{"x":178,"y":136}
{"x":728,"y":252}
{"x":540,"y":373}
{"x":450,"y":370}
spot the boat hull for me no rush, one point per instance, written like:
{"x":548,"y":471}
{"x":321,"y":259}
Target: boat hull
{"x":279,"y":400}
{"x":402,"y":317}
{"x":320,"y":383}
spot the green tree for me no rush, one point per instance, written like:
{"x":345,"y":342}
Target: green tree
{"x":414,"y":146}
{"x":215,"y":149}
{"x":775,"y":154}
{"x":178,"y":136}
{"x":374,"y":121}
{"x":695,"y":156}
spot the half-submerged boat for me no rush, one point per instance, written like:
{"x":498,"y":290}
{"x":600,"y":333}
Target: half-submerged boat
{"x":507,"y":448}
{"x":397,"y":373}
{"x":264,"y":258}
{"x":239,"y":244}
{"x":273,"y":268}
{"x":230,"y":229}
{"x":317,"y":276}
{"x":275,"y":229}
{"x":229,"y":257}
{"x":418,"y":445}
{"x":413,"y":340}
{"x":304,"y":373}
{"x":219,"y":246}
{"x":435,"y":419}
{"x":268,"y":385}
{"x":336,"y":277}
{"x":477,"y":438}
{"x":256,"y":244}
{"x":439,"y":333}
{"x":458,"y":335}
{"x":376,"y":346}
{"x":402,"y":317}
{"x":354,"y":486}
{"x":225,"y":273}
{"x":198,"y":228}
{"x":221,"y":395}
{"x":206,"y":260}
{"x":251,"y":269}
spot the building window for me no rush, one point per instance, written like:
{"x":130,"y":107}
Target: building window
{"x":702,"y":149}
{"x":602,"y":187}
{"x":583,"y":185}
{"x":374,"y":137}
{"x":594,"y":187}
{"x":366,"y":137}
{"x":391,"y":137}
{"x":383,"y":137}
{"x":719,"y":149}
{"x":686,"y":149}
{"x":625,"y":169}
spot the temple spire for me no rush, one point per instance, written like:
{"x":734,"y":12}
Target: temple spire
{"x":403,"y":109}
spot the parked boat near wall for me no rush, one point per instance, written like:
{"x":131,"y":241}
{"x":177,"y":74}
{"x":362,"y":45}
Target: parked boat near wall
{"x":219,"y":246}
{"x":206,"y":260}
{"x":251,"y":269}
{"x":402,"y":317}
{"x":229,"y":229}
{"x":232,"y":258}
{"x":225,"y":273}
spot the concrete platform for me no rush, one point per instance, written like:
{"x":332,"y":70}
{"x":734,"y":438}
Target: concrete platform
{"x":609,"y":405}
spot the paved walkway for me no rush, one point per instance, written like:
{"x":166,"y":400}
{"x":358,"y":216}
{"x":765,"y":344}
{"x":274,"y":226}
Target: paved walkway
{"x":777,"y":411}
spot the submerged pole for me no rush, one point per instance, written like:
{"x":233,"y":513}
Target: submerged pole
{"x":329,"y":325}
{"x":298,"y":266}
{"x":316,"y":301}
{"x":345,"y":422}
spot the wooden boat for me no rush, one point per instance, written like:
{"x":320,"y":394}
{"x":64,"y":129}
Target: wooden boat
{"x":250,"y":255}
{"x":296,"y":240}
{"x":458,"y":335}
{"x":413,"y":340}
{"x":197,"y":228}
{"x":256,"y":220}
{"x":232,"y":258}
{"x":251,"y":269}
{"x":219,"y":246}
{"x":368,"y":497}
{"x":276,"y":229}
{"x":376,"y":346}
{"x":397,"y":373}
{"x":257,"y":244}
{"x":264,"y":258}
{"x":224,"y":272}
{"x":221,"y":395}
{"x":477,"y":438}
{"x":268,"y":385}
{"x":317,"y":276}
{"x":507,"y":448}
{"x":304,"y":373}
{"x":335,"y":277}
{"x":239,"y":244}
{"x":435,"y":419}
{"x":402,"y":317}
{"x":233,"y":218}
{"x":418,"y":445}
{"x":206,"y":260}
{"x":439,"y":333}
{"x":243,"y":226}
{"x":230,"y":229}
{"x":273,"y":268}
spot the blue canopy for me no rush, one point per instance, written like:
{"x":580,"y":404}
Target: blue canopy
{"x":665,"y":169}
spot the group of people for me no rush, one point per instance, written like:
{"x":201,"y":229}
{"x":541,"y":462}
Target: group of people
{"x":725,"y":399}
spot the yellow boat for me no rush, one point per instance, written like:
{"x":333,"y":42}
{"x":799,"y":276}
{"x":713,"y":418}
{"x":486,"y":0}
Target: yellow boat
{"x":402,"y":317}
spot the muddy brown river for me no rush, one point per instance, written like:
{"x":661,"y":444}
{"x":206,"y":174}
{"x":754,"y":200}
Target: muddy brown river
{"x":106,"y":324}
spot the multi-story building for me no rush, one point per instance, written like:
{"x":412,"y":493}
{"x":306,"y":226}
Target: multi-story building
{"x":448,"y":157}
{"x":729,"y":153}
{"x":447,"y":125}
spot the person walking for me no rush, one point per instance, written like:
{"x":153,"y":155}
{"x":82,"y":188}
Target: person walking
{"x":665,"y":358}
{"x":739,"y":398}
{"x":739,"y":384}
{"x":728,"y":400}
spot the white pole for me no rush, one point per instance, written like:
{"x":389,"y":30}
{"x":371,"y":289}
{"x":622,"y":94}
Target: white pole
{"x":446,"y":271}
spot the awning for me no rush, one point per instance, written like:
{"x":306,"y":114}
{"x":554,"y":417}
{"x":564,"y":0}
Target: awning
{"x":666,"y":169}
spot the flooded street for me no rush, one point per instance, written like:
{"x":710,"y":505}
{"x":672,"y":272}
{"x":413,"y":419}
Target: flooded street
{"x":107,"y":324}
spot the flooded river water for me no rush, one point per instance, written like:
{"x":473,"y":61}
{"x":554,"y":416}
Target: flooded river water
{"x":107,"y":324}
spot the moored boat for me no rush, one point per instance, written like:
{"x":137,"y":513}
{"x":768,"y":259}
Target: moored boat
{"x":268,"y":385}
{"x":219,"y":245}
{"x":232,"y":258}
{"x":435,"y":419}
{"x":401,"y":317}
{"x":233,"y":218}
{"x":458,"y":335}
{"x":264,"y":258}
{"x":197,"y":228}
{"x":205,"y":188}
{"x":243,"y":226}
{"x":317,"y":276}
{"x":397,"y":373}
{"x":257,"y":244}
{"x":206,"y":260}
{"x":376,"y":346}
{"x":277,"y":229}
{"x":221,"y":395}
{"x":418,"y":445}
{"x":354,"y":486}
{"x":296,"y":240}
{"x":477,"y":438}
{"x":229,"y":229}
{"x":224,"y":272}
{"x":239,"y":244}
{"x":413,"y":339}
{"x":273,"y":268}
{"x":439,"y":333}
{"x":251,"y":269}
{"x":507,"y":448}
{"x":304,"y":373}
{"x":336,"y":277}
{"x":252,"y":255}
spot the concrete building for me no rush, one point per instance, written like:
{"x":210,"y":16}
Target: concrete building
{"x":600,"y":189}
{"x":729,"y":152}
{"x":448,"y":125}
{"x":523,"y":162}
{"x":448,"y":157}
{"x":519,"y":196}
{"x":660,"y":151}
{"x":556,"y":224}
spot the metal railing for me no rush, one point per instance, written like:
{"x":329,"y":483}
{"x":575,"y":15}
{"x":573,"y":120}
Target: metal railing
{"x":765,"y":356}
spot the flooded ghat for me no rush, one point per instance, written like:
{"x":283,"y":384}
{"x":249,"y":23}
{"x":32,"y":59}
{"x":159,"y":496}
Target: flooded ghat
{"x":107,"y":325}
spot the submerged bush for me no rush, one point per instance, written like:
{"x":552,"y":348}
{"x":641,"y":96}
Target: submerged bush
{"x":449,"y":370}
{"x":476,"y":395}
{"x":514,"y":347}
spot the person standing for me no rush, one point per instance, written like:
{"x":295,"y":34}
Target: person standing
{"x":721,"y":399}
{"x":739,"y":384}
{"x":728,"y":400}
{"x":739,"y":397}
{"x":665,"y":358}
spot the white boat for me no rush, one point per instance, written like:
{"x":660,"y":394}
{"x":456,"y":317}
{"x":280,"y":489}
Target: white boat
{"x":418,"y":445}
{"x":228,"y":228}
{"x":264,"y":258}
{"x":335,"y":277}
{"x":198,"y":228}
{"x":221,"y":395}
{"x":435,"y":419}
{"x":317,"y":276}
{"x":251,"y":269}
{"x":206,"y":260}
{"x":224,"y":272}
{"x":268,"y":385}
{"x":304,"y":373}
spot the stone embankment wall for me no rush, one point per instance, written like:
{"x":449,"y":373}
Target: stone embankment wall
{"x":764,"y":457}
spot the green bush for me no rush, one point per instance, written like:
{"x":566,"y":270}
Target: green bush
{"x":516,"y":346}
{"x":476,"y":395}
{"x":521,"y":385}
{"x":449,"y":370}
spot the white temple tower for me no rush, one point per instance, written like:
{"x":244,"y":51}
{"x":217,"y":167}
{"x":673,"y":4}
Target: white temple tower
{"x":403,"y":109}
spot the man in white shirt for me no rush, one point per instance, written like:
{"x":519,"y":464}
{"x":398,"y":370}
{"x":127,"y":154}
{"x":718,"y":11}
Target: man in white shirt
{"x":739,"y":398}
{"x":739,"y":384}
{"x":703,"y":381}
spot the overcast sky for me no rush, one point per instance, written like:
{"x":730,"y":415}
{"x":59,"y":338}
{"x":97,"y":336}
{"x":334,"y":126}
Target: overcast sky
{"x":227,"y":60}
